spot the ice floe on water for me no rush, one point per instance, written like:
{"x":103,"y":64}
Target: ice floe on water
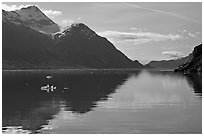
{"x":48,"y":77}
{"x":66,"y":88}
{"x":48,"y":88}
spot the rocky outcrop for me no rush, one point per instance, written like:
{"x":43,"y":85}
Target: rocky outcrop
{"x":193,"y":62}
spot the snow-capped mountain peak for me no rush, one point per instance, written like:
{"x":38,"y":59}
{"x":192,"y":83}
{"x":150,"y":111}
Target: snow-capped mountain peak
{"x":76,"y":29}
{"x":33,"y":17}
{"x":32,"y":12}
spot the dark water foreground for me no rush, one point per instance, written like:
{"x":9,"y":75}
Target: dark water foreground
{"x":101,"y":102}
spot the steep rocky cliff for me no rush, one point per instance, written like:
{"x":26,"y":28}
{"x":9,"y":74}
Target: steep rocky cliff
{"x":193,"y":62}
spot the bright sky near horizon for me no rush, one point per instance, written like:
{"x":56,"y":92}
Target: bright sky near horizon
{"x":143,"y":31}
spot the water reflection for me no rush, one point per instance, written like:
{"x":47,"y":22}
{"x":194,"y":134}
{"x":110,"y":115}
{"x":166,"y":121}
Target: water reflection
{"x":194,"y":79}
{"x":29,"y":109}
{"x":26,"y":105}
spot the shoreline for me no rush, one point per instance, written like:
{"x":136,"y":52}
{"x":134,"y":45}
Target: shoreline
{"x":90,"y":69}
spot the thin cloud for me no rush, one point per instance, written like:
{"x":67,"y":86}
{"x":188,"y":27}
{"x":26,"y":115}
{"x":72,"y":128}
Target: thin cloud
{"x":189,"y":34}
{"x":13,"y":7}
{"x":66,"y":22}
{"x":192,"y":35}
{"x":163,"y":12}
{"x":137,"y":29}
{"x":173,"y":54}
{"x":137,"y":37}
{"x":52,"y":13}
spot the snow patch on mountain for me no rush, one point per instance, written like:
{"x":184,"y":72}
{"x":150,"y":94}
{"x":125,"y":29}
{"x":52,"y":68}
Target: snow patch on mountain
{"x":76,"y":28}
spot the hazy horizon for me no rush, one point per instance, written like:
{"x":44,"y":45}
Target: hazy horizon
{"x":142,"y":31}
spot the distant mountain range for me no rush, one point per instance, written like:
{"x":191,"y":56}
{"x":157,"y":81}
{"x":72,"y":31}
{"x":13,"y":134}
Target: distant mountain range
{"x":166,"y":64}
{"x":193,"y":62}
{"x":33,"y":41}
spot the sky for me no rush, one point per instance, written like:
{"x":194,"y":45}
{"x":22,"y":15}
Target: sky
{"x":142,"y":31}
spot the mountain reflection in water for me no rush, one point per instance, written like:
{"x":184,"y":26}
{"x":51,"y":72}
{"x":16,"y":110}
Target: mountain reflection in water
{"x":27,"y":107}
{"x":24,"y":104}
{"x":194,"y":79}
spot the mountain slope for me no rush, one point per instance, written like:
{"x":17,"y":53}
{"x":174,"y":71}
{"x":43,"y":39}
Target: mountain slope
{"x":86,"y":48}
{"x":33,"y":17}
{"x":137,"y":64}
{"x":166,"y":64}
{"x":193,"y":62}
{"x":23,"y":47}
{"x":76,"y":47}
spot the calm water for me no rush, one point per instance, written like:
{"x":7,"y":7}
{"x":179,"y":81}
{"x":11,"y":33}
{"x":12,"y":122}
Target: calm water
{"x":101,"y":102}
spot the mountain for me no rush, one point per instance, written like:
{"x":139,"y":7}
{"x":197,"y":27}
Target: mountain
{"x":86,"y":48}
{"x":24,"y":47}
{"x":33,"y":17}
{"x":193,"y":62}
{"x":76,"y":47}
{"x":166,"y":64}
{"x":137,"y":64}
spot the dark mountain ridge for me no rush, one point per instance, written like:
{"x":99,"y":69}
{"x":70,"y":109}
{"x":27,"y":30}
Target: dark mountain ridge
{"x":166,"y":64}
{"x":193,"y":62}
{"x":76,"y":47}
